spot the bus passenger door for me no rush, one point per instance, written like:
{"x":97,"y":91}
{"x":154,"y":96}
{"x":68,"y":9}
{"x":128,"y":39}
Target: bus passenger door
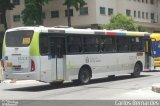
{"x":148,"y":54}
{"x":58,"y":51}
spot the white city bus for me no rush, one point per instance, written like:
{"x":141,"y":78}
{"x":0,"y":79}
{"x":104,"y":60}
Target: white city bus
{"x":51,"y":54}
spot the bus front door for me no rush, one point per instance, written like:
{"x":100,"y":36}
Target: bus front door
{"x":148,"y":54}
{"x":57,"y":48}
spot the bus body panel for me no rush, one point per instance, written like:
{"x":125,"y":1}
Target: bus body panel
{"x":17,"y":59}
{"x":52,"y":69}
{"x":24,"y":74}
{"x":103,"y":65}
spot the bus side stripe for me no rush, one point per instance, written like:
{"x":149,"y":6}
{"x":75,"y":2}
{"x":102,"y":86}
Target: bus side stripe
{"x":34,"y":46}
{"x":134,"y":34}
{"x":111,"y":33}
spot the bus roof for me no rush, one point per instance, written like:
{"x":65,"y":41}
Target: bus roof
{"x":81,"y":31}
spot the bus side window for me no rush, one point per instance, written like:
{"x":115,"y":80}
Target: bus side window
{"x":123,"y":44}
{"x":108,"y":44}
{"x":136,"y":44}
{"x":74,"y":44}
{"x":43,"y":44}
{"x":91,"y":44}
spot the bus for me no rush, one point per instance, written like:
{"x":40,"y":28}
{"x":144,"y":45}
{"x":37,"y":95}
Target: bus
{"x":55,"y":55}
{"x":156,"y":48}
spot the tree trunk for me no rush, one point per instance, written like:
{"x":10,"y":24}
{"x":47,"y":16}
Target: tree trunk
{"x":68,"y":15}
{"x":41,"y":17}
{"x":4,"y":21}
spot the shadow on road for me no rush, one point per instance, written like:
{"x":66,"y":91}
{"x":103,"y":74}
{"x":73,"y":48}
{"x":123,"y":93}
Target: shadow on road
{"x":38,"y":88}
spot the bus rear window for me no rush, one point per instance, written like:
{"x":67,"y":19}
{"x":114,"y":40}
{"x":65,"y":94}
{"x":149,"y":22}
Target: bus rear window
{"x":19,"y":38}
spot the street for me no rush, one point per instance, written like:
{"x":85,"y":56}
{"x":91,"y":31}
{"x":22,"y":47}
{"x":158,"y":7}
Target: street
{"x":121,"y":87}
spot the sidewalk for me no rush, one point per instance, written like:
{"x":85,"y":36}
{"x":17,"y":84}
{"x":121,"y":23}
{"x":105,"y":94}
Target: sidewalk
{"x":141,"y":94}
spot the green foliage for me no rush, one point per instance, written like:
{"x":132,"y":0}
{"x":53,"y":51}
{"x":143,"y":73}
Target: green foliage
{"x":120,"y":21}
{"x":32,"y":14}
{"x":6,"y":5}
{"x":141,"y":29}
{"x":77,"y":4}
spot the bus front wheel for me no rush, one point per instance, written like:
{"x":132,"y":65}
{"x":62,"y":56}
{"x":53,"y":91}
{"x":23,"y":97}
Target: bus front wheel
{"x":137,"y":70}
{"x":84,"y":76}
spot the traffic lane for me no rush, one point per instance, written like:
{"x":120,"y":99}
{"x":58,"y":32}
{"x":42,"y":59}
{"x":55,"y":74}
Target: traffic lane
{"x":46,"y":86}
{"x":98,"y":88}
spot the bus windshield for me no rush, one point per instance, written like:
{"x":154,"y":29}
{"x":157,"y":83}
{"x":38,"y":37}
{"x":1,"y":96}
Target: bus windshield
{"x":19,"y":38}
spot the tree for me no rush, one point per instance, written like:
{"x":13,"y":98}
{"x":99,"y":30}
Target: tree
{"x":120,"y":21}
{"x":4,"y":6}
{"x":32,"y":14}
{"x":77,"y":4}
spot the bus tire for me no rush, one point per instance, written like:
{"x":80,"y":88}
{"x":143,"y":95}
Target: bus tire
{"x":137,"y":70}
{"x":84,"y":75}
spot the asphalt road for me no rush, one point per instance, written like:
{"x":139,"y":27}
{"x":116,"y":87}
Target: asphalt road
{"x":121,"y":87}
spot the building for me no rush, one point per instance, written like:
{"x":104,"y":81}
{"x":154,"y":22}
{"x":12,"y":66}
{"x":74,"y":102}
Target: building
{"x":144,"y":12}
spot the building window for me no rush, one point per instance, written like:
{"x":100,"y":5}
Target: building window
{"x":110,"y":11}
{"x":128,"y":12}
{"x":16,"y":2}
{"x":102,"y":10}
{"x":152,"y":16}
{"x":16,"y":18}
{"x":139,"y":14}
{"x":152,"y":1}
{"x":70,"y":12}
{"x":135,"y":14}
{"x":84,"y":11}
{"x":146,"y":15}
{"x":43,"y":15}
{"x":54,"y":14}
{"x":143,"y":15}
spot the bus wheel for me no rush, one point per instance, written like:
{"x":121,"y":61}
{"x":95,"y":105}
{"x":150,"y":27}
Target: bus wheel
{"x":137,"y":70}
{"x":84,"y":76}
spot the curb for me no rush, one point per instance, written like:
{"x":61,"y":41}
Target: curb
{"x":156,"y":88}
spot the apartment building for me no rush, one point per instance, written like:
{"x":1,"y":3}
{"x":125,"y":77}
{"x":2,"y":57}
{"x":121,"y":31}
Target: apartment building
{"x":144,"y":12}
